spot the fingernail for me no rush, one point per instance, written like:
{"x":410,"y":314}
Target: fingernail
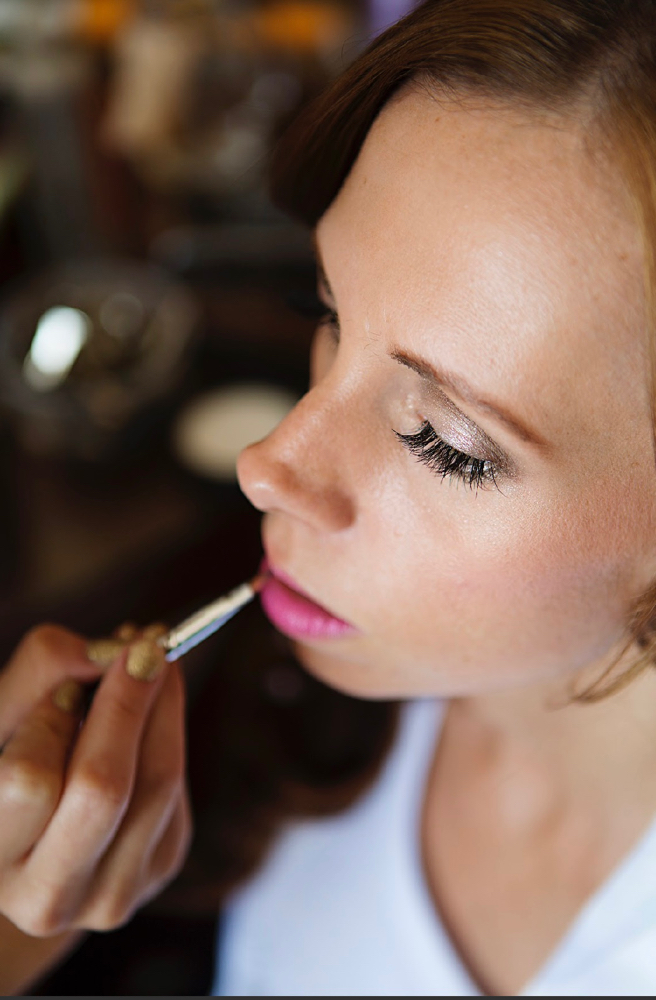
{"x":126,"y":632}
{"x":68,"y":697}
{"x":155,"y":631}
{"x":103,"y":652}
{"x":145,"y":660}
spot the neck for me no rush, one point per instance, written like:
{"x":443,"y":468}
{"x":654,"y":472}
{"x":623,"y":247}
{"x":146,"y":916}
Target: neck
{"x":555,"y":752}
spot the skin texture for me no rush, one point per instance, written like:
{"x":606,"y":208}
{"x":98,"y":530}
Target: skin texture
{"x":501,"y":249}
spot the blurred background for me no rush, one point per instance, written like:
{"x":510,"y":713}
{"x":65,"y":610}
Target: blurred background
{"x":149,"y":320}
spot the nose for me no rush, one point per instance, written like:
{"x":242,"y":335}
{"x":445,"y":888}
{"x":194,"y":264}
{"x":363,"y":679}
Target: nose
{"x":299,"y":468}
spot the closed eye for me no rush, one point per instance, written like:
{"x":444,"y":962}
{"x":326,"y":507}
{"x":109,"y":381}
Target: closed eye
{"x":446,"y":461}
{"x":310,"y":305}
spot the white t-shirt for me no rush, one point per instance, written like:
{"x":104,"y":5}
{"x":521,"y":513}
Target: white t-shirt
{"x":341,"y":907}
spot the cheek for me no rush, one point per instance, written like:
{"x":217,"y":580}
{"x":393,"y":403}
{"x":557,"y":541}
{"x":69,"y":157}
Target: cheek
{"x":509,"y":582}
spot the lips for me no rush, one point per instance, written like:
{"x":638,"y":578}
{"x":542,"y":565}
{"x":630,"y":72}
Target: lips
{"x":296,"y":614}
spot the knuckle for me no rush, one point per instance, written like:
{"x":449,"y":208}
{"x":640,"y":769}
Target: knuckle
{"x":170,"y":865}
{"x":162,"y":783}
{"x":41,"y":641}
{"x":179,"y":854}
{"x":40,"y":925}
{"x":101,"y":786}
{"x":39,"y":914}
{"x":186,"y":835}
{"x":172,"y":861}
{"x":45,"y":651}
{"x":24,"y":782}
{"x":112,"y":913}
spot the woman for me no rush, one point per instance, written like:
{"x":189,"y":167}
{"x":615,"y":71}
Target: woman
{"x":460,"y":514}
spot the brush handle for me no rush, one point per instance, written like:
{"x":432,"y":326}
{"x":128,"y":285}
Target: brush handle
{"x":206,"y":622}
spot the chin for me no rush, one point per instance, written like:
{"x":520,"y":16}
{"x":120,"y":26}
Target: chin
{"x":375,"y":682}
{"x":348,"y":676}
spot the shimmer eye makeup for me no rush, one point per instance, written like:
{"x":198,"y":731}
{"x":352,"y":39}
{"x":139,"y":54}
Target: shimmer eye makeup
{"x":447,"y":461}
{"x":467,"y":448}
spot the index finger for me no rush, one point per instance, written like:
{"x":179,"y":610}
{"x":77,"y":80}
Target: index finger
{"x":99,"y":781}
{"x":46,"y":656}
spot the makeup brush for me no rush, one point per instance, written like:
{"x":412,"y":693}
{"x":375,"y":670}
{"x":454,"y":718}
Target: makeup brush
{"x":208,"y":620}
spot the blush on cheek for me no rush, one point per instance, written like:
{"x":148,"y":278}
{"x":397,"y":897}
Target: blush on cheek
{"x":555,"y":590}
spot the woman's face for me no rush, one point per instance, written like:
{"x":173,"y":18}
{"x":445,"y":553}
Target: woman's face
{"x":487,"y":276}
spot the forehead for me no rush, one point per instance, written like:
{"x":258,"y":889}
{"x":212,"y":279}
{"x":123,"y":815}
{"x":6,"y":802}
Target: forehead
{"x":503,"y":248}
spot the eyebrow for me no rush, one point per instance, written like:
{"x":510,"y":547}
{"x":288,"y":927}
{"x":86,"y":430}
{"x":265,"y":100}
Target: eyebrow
{"x":458,"y":387}
{"x":440,"y":379}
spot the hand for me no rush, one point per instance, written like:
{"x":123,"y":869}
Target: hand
{"x":95,"y":815}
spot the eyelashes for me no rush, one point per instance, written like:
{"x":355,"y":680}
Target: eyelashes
{"x":309,"y":304}
{"x":444,"y":460}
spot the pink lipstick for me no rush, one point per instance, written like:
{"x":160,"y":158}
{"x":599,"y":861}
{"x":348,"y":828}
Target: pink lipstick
{"x":296,"y":614}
